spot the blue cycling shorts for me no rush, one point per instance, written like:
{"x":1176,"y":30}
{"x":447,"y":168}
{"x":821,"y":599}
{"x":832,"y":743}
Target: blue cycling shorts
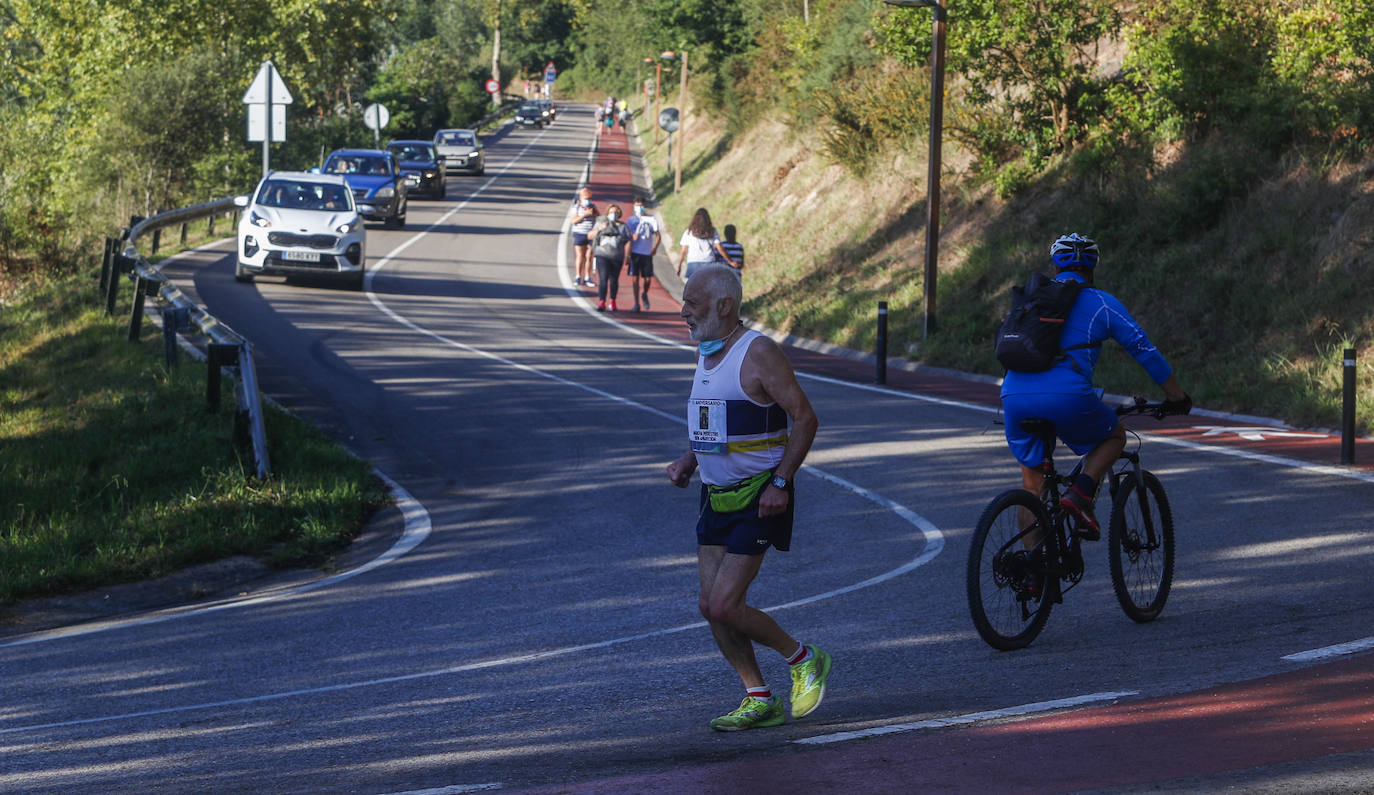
{"x":1082,"y":421}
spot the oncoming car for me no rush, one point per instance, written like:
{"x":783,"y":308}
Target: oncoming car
{"x":301,"y":223}
{"x":378,"y":188}
{"x":421,"y":165}
{"x":462,"y":151}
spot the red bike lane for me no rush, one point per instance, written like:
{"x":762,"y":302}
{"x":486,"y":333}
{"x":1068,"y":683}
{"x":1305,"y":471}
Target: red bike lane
{"x":1307,"y":714}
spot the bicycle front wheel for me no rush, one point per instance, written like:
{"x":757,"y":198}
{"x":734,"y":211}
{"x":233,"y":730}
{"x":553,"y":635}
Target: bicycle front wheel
{"x":1009,"y":597}
{"x":1140,"y":546}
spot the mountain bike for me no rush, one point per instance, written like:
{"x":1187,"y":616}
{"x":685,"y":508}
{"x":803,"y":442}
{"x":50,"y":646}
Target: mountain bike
{"x":1027,"y":551}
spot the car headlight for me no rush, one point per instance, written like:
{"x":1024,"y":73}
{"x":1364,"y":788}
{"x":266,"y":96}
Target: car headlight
{"x":347,"y":226}
{"x":475,"y":153}
{"x":431,"y":174}
{"x":257,"y":219}
{"x":384,"y":193}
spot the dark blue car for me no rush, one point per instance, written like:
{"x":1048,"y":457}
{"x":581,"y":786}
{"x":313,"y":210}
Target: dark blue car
{"x":421,"y":165}
{"x":379,"y":188}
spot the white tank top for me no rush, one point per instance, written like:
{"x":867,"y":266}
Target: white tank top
{"x":733,"y":437}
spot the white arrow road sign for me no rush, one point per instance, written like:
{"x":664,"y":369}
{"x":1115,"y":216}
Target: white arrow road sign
{"x":268,"y":79}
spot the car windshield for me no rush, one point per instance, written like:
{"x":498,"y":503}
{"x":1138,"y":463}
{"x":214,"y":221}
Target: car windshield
{"x":303,"y":195}
{"x":458,"y":139}
{"x":529,"y":109}
{"x":422,"y":152}
{"x":363,"y":165}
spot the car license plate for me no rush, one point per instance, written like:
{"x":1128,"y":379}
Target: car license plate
{"x":301,"y":256}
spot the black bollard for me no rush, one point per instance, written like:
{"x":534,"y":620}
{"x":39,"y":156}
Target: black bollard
{"x":1348,"y":407}
{"x":882,"y":342}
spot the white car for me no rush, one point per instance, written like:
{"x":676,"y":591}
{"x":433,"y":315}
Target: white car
{"x":301,"y":223}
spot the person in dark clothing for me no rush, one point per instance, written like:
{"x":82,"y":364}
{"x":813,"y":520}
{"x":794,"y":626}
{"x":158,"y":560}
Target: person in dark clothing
{"x":611,"y":247}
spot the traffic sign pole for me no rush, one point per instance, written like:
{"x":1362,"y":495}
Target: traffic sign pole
{"x":268,"y":91}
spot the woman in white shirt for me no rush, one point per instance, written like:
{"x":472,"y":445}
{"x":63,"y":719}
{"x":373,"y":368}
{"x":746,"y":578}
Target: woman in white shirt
{"x":701,"y":246}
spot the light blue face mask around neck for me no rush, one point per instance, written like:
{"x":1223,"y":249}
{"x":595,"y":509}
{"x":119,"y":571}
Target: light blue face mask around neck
{"x":708,"y":347}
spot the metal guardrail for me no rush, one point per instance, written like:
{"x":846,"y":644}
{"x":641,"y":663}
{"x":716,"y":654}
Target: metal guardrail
{"x":226,"y":347}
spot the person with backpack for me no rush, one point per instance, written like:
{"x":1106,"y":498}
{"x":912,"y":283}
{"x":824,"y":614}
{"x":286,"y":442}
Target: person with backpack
{"x":1050,"y":375}
{"x":611,"y":247}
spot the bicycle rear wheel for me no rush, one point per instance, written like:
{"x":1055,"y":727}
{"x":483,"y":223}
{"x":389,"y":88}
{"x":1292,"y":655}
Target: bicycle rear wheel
{"x":1140,"y":547}
{"x":1008,"y":597}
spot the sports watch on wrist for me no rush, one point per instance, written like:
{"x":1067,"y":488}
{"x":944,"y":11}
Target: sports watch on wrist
{"x":779,"y":482}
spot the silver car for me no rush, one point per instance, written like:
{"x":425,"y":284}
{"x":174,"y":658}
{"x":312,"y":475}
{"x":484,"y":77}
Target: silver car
{"x":462,"y":151}
{"x":301,"y":223}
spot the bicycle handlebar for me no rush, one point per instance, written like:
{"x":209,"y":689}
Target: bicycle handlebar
{"x":1157,"y":410}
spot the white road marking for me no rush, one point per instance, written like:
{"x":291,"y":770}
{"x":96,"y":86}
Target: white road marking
{"x":1327,"y":652}
{"x":973,"y":717}
{"x":1255,"y":434}
{"x":452,"y":789}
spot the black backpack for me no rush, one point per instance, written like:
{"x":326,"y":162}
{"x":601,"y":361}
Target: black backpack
{"x":609,"y":242}
{"x":1028,"y":340}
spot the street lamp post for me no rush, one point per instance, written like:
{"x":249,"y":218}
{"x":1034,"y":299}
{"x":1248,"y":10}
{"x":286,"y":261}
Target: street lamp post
{"x":658,"y":91}
{"x":937,"y":100}
{"x":644,"y":86}
{"x":682,"y":117}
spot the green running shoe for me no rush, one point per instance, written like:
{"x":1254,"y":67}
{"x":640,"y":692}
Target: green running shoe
{"x":752,"y":713}
{"x":808,"y":683}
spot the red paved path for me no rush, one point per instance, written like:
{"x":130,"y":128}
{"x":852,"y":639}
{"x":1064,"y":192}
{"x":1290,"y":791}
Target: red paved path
{"x":1307,"y":714}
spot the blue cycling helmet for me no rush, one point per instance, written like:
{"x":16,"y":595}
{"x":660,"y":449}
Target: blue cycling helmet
{"x":1074,"y":252}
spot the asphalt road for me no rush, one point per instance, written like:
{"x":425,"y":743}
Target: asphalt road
{"x":540,"y":627}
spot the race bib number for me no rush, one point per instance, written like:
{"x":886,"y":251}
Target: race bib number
{"x":706,"y":425}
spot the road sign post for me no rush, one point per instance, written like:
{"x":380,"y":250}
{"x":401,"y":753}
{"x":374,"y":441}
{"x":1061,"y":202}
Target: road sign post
{"x":375,"y":117}
{"x":550,"y":75}
{"x":267,"y":98}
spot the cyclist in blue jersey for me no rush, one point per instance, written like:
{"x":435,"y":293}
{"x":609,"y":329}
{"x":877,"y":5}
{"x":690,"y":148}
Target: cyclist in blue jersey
{"x":1064,"y":394}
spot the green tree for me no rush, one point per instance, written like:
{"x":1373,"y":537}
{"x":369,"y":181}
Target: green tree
{"x":1032,"y":61}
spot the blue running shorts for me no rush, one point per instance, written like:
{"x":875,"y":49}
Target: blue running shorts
{"x":579,"y":238}
{"x":1082,"y":421}
{"x":743,"y":532}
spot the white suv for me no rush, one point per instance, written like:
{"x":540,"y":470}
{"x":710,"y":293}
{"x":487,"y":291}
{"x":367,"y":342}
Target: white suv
{"x":301,"y":223}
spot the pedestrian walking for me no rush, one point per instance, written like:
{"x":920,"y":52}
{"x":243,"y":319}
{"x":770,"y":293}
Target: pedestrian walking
{"x":644,"y":241}
{"x":700,"y":246}
{"x":743,"y":395}
{"x":583,"y":215}
{"x":733,"y":248}
{"x":611,"y":247}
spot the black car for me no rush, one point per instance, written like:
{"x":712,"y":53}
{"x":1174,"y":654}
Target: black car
{"x":421,"y":166}
{"x":530,"y":115}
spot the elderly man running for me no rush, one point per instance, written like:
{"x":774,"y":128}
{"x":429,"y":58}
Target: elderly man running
{"x":743,"y":394}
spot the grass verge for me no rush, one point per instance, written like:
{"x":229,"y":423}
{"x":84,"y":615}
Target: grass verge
{"x":113,"y":470}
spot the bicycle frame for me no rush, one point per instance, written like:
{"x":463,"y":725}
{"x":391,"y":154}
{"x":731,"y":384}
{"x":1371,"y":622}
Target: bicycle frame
{"x":1061,"y":559}
{"x":1134,"y":470}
